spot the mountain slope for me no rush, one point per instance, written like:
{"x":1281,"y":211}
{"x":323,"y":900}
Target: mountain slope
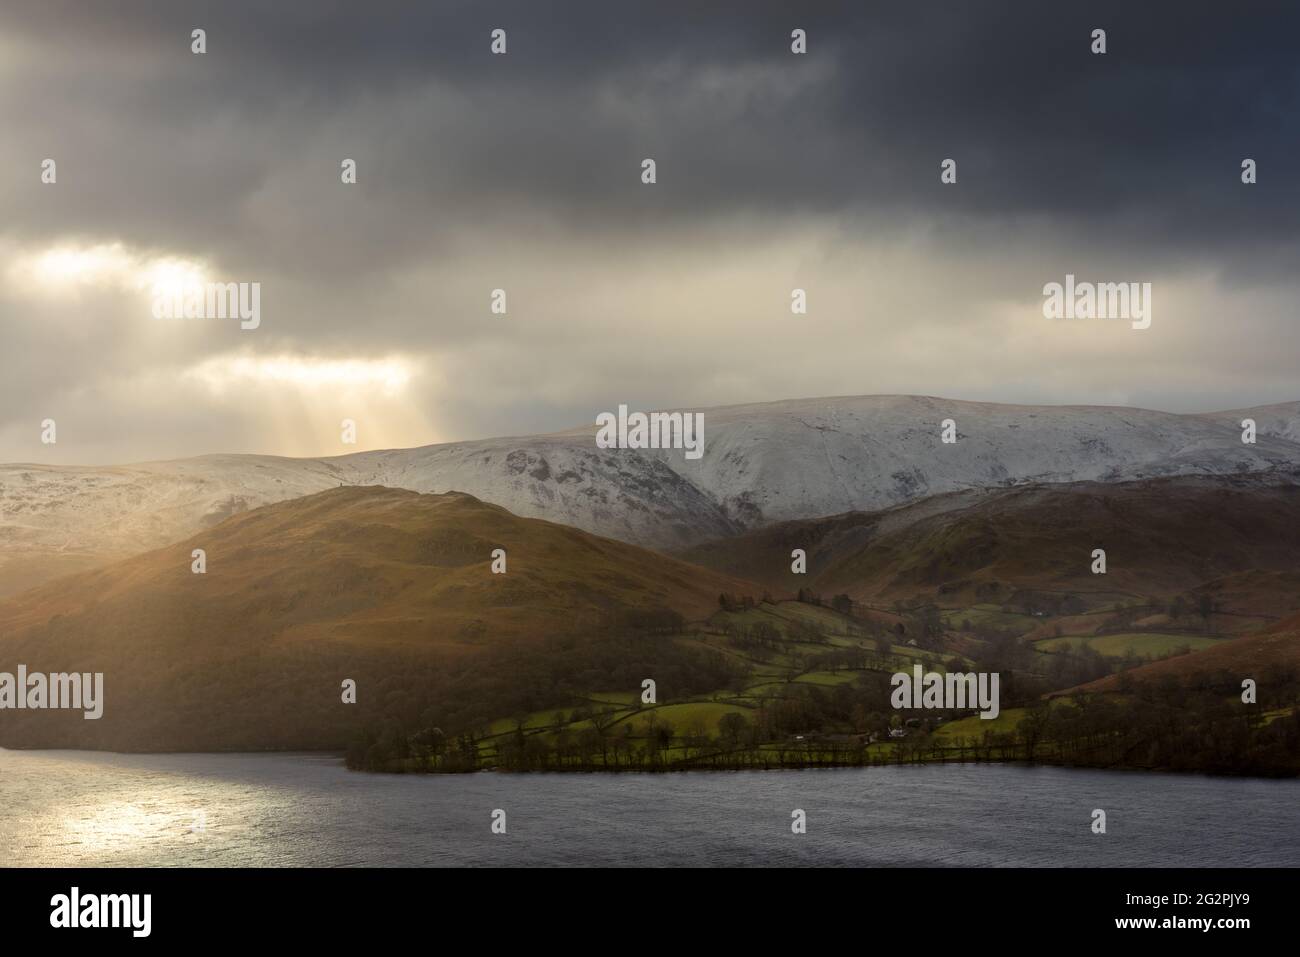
{"x":300,"y":595}
{"x":1161,"y":536}
{"x":814,"y":457}
{"x":1271,"y":655}
{"x":762,"y":464}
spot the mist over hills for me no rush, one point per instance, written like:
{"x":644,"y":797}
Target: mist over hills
{"x":763,"y":463}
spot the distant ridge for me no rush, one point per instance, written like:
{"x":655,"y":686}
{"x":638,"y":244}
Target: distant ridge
{"x":1228,"y":533}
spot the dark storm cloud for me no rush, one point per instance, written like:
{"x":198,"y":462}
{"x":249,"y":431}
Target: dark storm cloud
{"x":523,"y":171}
{"x":1143,"y":143}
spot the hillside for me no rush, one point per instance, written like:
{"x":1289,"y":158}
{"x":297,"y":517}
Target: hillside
{"x":369,"y":583}
{"x":762,"y":464}
{"x":1269,"y":656}
{"x":542,"y":667}
{"x":1238,"y":537}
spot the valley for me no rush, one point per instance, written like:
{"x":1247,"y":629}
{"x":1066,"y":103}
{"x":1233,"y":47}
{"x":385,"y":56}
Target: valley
{"x":545,"y":666}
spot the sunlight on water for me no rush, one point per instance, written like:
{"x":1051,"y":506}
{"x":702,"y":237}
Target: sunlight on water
{"x":88,"y":809}
{"x":116,"y":825}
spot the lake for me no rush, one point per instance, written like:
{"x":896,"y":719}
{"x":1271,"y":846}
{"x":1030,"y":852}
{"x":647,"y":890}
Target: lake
{"x":69,"y":808}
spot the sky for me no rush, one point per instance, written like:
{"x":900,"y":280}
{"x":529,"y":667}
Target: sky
{"x":522,"y":172}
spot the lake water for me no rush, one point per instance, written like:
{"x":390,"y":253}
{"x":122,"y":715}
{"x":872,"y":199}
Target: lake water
{"x":65,"y":808}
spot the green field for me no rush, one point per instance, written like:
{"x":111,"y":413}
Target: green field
{"x":974,"y":727}
{"x":689,"y":714}
{"x":988,"y":615}
{"x":828,"y":678}
{"x":778,"y":679}
{"x":827,"y":621}
{"x":1143,"y":644}
{"x":625,"y":699}
{"x":531,"y":722}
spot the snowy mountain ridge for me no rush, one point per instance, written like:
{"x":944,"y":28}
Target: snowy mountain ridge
{"x":762,"y":463}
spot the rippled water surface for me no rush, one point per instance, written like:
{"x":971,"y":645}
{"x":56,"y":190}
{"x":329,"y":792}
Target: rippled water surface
{"x":81,"y":808}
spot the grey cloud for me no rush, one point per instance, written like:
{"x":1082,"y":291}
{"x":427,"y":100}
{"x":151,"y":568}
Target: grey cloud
{"x":477,"y":171}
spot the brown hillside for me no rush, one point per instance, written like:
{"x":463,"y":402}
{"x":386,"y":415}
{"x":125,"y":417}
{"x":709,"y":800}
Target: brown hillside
{"x":1271,"y":651}
{"x":364,"y":578}
{"x":1161,"y":536}
{"x":365,"y":564}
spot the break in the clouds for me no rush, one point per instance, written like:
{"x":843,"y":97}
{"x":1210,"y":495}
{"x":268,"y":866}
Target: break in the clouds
{"x":521,"y":172}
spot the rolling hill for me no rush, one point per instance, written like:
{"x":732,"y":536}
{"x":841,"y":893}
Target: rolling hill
{"x":386,"y":586}
{"x":1271,"y":655}
{"x":1234,"y":535}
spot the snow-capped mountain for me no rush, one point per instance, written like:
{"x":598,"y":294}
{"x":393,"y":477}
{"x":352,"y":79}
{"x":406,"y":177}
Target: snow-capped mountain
{"x":762,"y":463}
{"x":813,"y":457}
